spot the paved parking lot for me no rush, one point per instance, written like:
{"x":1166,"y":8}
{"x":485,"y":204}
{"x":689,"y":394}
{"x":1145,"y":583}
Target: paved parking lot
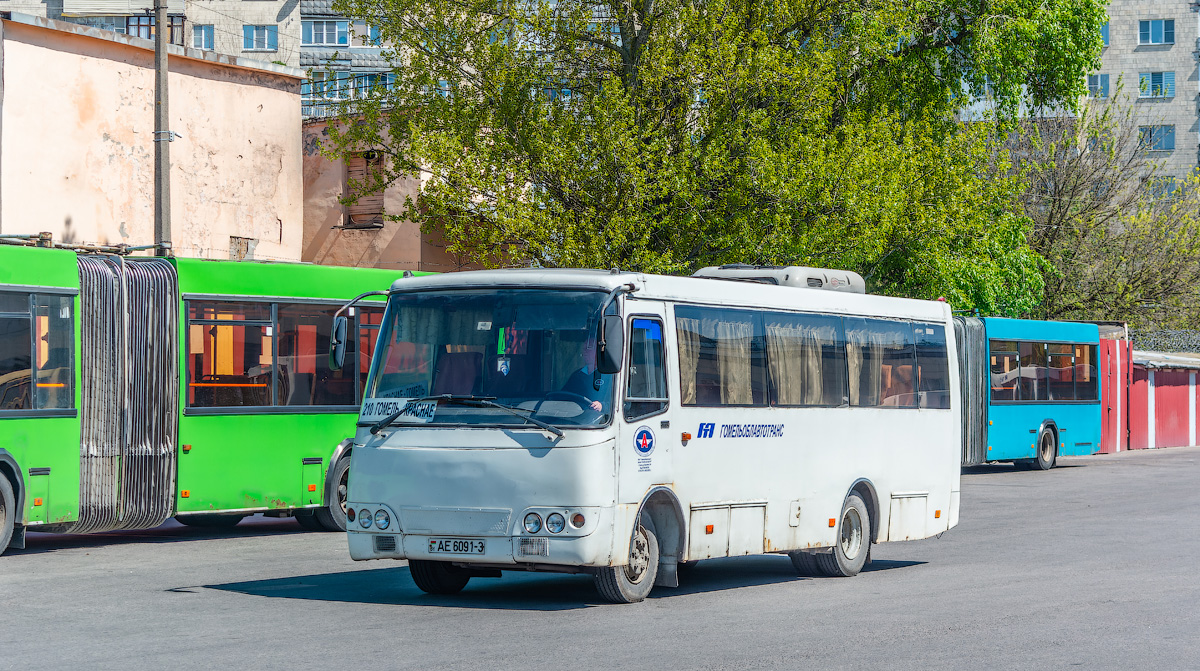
{"x":1092,"y":565}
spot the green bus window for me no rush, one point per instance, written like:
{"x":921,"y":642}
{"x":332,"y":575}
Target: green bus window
{"x":369,"y":321}
{"x":303,"y":362}
{"x":933,"y":368}
{"x":254,"y":312}
{"x":1004,"y":370}
{"x":1061,"y":372}
{"x":15,"y":355}
{"x":54,"y":341}
{"x":1033,"y":371}
{"x":229,"y":365}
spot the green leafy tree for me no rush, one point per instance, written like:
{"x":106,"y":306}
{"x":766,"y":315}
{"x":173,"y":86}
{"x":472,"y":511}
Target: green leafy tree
{"x":665,"y":135}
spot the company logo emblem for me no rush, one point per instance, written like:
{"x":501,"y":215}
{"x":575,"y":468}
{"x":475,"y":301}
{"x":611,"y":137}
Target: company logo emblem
{"x":706,"y":430}
{"x":643,"y":441}
{"x":503,"y":366}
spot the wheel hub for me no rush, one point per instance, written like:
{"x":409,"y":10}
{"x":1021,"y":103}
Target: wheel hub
{"x":852,"y":534}
{"x":639,"y":557}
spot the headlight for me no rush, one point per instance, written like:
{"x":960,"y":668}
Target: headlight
{"x":364,"y":518}
{"x":382,"y":520}
{"x":533,"y":523}
{"x":555,"y":523}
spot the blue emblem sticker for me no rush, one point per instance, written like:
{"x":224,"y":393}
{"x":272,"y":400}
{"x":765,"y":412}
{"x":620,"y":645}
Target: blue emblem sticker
{"x":643,"y":441}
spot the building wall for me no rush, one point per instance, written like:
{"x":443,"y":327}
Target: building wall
{"x":77,"y":151}
{"x":1125,"y":57}
{"x":398,"y":245}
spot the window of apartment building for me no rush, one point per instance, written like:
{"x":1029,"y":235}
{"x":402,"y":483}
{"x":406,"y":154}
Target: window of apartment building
{"x":202,"y":37}
{"x":1161,"y":188}
{"x":373,"y":38}
{"x":260,"y":38}
{"x":332,"y":33}
{"x":143,"y":26}
{"x":1098,"y":86}
{"x":1156,"y":138}
{"x":1158,"y":31}
{"x":362,"y":170}
{"x":325,"y":85}
{"x":366,"y":84}
{"x":1104,"y":33}
{"x":1156,"y":85}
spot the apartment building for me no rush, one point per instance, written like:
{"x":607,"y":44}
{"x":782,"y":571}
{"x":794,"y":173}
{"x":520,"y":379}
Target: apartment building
{"x":346,"y":58}
{"x":1152,"y":49}
{"x":264,"y":30}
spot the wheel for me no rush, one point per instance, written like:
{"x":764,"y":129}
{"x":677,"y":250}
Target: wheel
{"x":308,"y":520}
{"x":1047,"y":452}
{"x":210,"y":520}
{"x":849,"y":554}
{"x":633,"y":582}
{"x":333,"y":516}
{"x":437,"y":577}
{"x":8,"y":512}
{"x":805,"y":563}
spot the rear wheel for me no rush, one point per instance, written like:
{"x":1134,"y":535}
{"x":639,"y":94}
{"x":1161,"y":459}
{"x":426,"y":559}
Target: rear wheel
{"x":8,"y":512}
{"x":854,"y":541}
{"x":437,"y":577}
{"x":631,"y":583}
{"x":333,"y":516}
{"x":210,"y":520}
{"x":1047,"y":452}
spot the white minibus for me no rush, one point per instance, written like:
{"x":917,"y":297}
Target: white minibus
{"x":621,"y":424}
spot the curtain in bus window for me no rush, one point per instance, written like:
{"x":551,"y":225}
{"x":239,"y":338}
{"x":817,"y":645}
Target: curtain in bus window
{"x":805,"y":359}
{"x":730,"y":368}
{"x":933,"y":369}
{"x":15,"y":355}
{"x":880,"y":360}
{"x":54,"y":342}
{"x":229,"y":365}
{"x":1005,"y":372}
{"x":687,"y":332}
{"x":1086,"y":388}
{"x":1033,"y":371}
{"x":303,"y":359}
{"x":733,"y":345}
{"x":1060,"y":372}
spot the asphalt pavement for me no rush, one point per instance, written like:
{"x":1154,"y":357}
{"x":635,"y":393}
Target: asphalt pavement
{"x":1092,"y":565}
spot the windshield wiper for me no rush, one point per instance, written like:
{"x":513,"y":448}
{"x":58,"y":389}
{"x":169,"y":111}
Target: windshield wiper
{"x":476,"y":401}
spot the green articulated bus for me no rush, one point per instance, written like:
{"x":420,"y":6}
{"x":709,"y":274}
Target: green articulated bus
{"x":133,"y":390}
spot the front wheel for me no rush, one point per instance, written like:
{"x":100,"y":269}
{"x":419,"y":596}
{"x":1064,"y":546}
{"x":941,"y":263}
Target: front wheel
{"x":631,"y":583}
{"x":8,"y":512}
{"x":849,"y":554}
{"x":210,"y":520}
{"x":1047,"y":452}
{"x":437,"y":577}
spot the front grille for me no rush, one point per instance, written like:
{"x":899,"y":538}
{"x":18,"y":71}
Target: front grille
{"x":815,"y":282}
{"x":535,"y":547}
{"x":385,"y":543}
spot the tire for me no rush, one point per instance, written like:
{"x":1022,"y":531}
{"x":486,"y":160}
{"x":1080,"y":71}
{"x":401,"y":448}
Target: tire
{"x":631,"y":583}
{"x":1047,"y":452}
{"x":308,"y":520}
{"x":437,"y":577}
{"x":333,"y":516}
{"x":8,"y":512}
{"x":805,"y":563}
{"x":850,"y":553}
{"x":210,"y":520}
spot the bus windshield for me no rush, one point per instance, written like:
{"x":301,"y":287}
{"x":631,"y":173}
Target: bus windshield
{"x":533,"y":350}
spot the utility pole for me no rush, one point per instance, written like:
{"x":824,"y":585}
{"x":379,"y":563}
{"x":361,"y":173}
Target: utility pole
{"x":162,"y":136}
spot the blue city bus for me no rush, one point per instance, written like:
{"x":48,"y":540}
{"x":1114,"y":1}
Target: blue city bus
{"x":1031,"y":390}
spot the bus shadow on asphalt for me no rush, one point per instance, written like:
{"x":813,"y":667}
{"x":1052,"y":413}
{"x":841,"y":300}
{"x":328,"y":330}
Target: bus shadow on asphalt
{"x":1009,"y":469}
{"x":169,"y":532}
{"x":520,"y":590}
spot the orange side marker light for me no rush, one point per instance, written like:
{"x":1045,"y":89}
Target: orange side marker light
{"x":708,"y":529}
{"x":187,"y":448}
{"x":937,"y":513}
{"x":312,"y":488}
{"x":185,"y":493}
{"x":37,"y":501}
{"x":686,"y":436}
{"x":832,"y":523}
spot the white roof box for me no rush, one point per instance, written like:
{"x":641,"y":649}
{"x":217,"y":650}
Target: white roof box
{"x":788,"y":276}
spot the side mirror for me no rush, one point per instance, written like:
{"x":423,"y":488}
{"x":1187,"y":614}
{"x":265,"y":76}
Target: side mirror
{"x":337,"y":344}
{"x":612,"y":334}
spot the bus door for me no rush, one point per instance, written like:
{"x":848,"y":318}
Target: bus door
{"x":646,"y":437}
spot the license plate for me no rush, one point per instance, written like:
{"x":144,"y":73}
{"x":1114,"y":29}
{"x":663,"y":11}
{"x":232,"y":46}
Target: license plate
{"x":460,"y":546}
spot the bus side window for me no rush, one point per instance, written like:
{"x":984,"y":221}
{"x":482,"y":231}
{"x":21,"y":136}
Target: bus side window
{"x":722,"y":357}
{"x":1085,"y":373}
{"x":646,"y":384}
{"x":1004,"y":370}
{"x":880,"y":358}
{"x":303,"y":362}
{"x":806,"y":360}
{"x":933,"y":373}
{"x":1033,"y":371}
{"x":1061,"y":372}
{"x":15,"y":355}
{"x":231,"y":350}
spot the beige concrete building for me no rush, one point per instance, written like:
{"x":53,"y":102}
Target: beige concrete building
{"x":362,"y":234}
{"x":77,"y":150}
{"x":1151,"y":48}
{"x":265,"y":30}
